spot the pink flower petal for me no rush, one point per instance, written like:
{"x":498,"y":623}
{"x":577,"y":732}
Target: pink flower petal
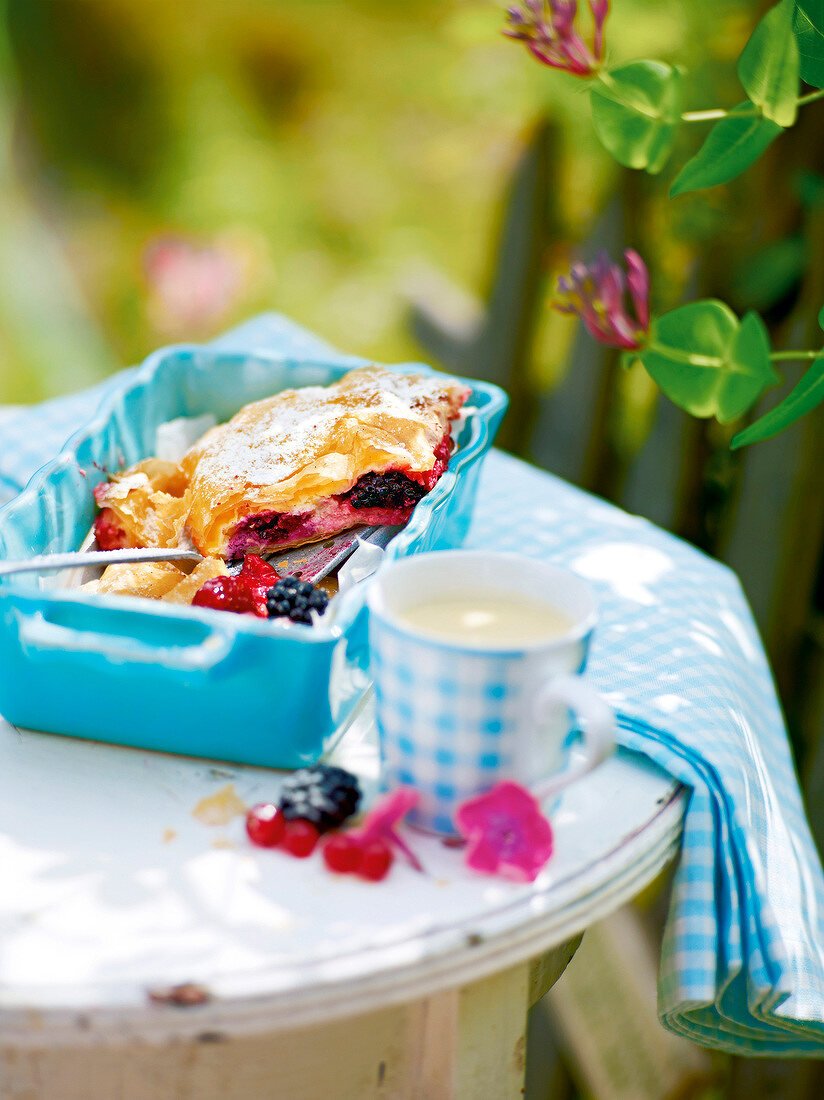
{"x":597,"y":294}
{"x":482,"y":855}
{"x":548,"y":31}
{"x":638,"y":279}
{"x":600,"y":11}
{"x":389,"y":810}
{"x":506,"y":831}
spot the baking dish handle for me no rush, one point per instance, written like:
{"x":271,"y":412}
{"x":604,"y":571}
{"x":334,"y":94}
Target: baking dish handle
{"x":38,"y":635}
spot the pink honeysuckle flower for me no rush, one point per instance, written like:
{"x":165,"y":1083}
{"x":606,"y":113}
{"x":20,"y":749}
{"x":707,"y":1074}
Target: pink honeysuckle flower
{"x":638,"y":280}
{"x":385,"y":815}
{"x":191,"y":285}
{"x":506,"y":832}
{"x":596,"y":294}
{"x":547,"y":29}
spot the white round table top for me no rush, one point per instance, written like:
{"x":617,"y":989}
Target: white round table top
{"x":114,"y":886}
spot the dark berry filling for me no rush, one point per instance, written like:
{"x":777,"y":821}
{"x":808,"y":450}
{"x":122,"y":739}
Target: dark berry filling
{"x":390,"y":490}
{"x":396,"y":488}
{"x":261,"y":530}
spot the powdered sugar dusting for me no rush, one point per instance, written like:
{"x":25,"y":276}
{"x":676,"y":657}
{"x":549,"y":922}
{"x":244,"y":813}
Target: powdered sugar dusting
{"x":273,"y":440}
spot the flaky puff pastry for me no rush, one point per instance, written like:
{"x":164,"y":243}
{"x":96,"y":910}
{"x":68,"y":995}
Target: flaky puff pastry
{"x":155,"y":580}
{"x":289,"y":453}
{"x":148,"y":502}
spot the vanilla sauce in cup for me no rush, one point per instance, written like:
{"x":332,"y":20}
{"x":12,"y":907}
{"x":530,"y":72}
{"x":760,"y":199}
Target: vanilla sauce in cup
{"x":486,"y":620}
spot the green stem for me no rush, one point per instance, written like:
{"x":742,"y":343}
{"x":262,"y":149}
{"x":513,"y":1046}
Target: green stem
{"x":707,"y":116}
{"x":690,"y":357}
{"x":696,"y":360}
{"x":704,"y":116}
{"x":810,"y":96}
{"x":711,"y":115}
{"x":746,"y":112}
{"x":789,"y":355}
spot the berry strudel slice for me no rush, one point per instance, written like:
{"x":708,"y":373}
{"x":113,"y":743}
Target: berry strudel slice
{"x":312,"y":462}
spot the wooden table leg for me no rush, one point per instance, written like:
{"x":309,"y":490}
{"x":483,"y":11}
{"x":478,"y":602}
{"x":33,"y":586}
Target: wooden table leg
{"x":466,"y":1043}
{"x":545,"y":971}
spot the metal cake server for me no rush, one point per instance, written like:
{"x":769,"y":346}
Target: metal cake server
{"x":310,"y":563}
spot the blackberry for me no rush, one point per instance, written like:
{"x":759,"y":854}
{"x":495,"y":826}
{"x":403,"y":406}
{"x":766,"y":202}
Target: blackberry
{"x":323,"y":795}
{"x":295,"y":600}
{"x":389,"y":490}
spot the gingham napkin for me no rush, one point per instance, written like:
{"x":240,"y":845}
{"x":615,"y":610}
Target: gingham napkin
{"x":678,"y":655}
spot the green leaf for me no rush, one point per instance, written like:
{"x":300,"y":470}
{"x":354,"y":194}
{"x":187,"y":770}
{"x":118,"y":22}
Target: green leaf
{"x":768,"y":67}
{"x":763,"y":278}
{"x":809,"y":33}
{"x":707,"y":362}
{"x":730,"y":147}
{"x":635,"y":111}
{"x":802,"y":399}
{"x":821,"y":318}
{"x":809,"y":187}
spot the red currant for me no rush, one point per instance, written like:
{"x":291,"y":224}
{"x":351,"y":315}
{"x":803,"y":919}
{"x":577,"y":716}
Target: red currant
{"x":300,"y":837}
{"x":343,"y":853}
{"x":264,"y":824}
{"x":376,"y":859}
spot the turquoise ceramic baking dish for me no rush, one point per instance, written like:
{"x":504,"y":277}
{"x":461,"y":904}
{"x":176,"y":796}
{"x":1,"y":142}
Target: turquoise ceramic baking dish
{"x":189,"y":680}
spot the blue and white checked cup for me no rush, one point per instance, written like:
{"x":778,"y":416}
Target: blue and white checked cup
{"x":455,"y":718}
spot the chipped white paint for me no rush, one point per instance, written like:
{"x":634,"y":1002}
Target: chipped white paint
{"x":99,"y":905}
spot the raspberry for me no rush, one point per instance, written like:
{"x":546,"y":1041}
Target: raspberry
{"x":225,"y":594}
{"x":376,"y":859}
{"x":256,"y":570}
{"x":108,"y":532}
{"x":300,"y":837}
{"x":244,"y":594}
{"x":265,"y":825}
{"x":343,"y":853}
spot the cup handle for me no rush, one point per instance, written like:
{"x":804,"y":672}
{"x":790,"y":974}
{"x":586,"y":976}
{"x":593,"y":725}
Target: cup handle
{"x":597,"y":720}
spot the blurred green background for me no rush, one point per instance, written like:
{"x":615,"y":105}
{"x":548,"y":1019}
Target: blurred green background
{"x":318,"y":157}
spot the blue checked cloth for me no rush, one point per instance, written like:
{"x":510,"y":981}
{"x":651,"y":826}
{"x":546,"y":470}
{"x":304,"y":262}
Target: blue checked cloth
{"x":678,"y":655}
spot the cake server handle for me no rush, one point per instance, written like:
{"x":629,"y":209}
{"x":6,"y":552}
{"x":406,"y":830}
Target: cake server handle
{"x":44,"y":563}
{"x":310,"y":562}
